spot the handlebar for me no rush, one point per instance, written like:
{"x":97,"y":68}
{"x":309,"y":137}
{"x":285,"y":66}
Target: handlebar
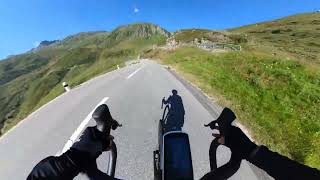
{"x":112,"y":160}
{"x":105,"y":123}
{"x":223,"y":124}
{"x":103,"y":119}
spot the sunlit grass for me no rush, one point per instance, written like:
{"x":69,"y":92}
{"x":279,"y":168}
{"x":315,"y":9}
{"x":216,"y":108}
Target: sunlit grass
{"x":278,"y":100}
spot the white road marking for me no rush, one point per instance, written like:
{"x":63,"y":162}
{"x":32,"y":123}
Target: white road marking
{"x":80,"y":128}
{"x":134,"y":72}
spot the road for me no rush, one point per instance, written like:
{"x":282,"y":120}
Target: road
{"x":134,"y":96}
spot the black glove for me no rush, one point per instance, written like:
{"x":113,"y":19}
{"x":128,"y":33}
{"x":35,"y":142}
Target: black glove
{"x":239,"y":143}
{"x":231,"y":136}
{"x":90,"y":146}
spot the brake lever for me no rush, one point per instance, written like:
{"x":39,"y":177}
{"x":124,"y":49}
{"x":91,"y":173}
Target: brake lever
{"x":115,"y":125}
{"x":212,"y":125}
{"x":224,"y":121}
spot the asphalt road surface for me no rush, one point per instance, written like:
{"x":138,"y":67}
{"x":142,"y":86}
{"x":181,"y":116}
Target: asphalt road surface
{"x":134,"y":95}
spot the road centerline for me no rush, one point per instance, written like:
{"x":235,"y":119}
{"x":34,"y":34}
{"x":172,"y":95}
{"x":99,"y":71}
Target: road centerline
{"x":134,"y":72}
{"x":80,"y":128}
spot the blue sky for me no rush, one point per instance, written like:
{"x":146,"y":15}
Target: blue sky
{"x":24,"y":23}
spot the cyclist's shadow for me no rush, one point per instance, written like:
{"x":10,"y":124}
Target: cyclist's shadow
{"x":175,"y":117}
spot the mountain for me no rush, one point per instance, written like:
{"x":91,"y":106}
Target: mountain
{"x":29,"y":80}
{"x":137,"y":31}
{"x":85,"y":39}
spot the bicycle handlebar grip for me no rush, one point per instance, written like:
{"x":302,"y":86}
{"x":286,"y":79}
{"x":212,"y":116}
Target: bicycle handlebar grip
{"x":103,"y":118}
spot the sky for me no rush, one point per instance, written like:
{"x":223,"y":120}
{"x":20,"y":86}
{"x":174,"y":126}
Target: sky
{"x":25,"y":23}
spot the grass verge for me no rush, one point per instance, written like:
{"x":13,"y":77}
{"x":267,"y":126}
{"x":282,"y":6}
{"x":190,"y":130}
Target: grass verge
{"x":278,"y":100}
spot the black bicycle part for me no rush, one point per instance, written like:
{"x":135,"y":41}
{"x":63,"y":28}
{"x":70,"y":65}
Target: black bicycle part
{"x":160,"y":133}
{"x":177,"y":157}
{"x":156,"y":165}
{"x":103,"y":119}
{"x":105,"y":123}
{"x":156,"y":154}
{"x":112,"y":160}
{"x":213,"y":154}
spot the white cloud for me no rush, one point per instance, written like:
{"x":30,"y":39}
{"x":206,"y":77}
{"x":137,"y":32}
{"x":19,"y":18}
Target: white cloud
{"x":36,"y":44}
{"x":136,"y":10}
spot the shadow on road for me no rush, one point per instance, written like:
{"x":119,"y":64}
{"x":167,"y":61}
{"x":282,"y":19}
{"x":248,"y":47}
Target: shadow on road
{"x":175,"y":116}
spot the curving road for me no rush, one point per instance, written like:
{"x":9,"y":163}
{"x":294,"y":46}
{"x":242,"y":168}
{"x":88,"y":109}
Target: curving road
{"x":134,"y":96}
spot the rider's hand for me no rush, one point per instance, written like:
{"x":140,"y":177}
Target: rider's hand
{"x":238,"y":142}
{"x":91,"y":144}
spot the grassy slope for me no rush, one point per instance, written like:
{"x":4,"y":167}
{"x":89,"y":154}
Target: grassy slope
{"x":187,"y":35}
{"x":35,"y":78}
{"x":276,"y":96}
{"x":296,"y":37}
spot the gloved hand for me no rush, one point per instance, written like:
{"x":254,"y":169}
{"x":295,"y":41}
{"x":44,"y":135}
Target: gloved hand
{"x":238,"y":143}
{"x":224,"y":121}
{"x":89,"y":147}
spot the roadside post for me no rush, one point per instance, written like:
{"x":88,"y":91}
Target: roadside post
{"x":66,"y":86}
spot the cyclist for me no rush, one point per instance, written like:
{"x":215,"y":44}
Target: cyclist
{"x":83,"y":154}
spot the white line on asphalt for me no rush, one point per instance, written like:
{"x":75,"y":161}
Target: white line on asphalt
{"x":134,"y":72}
{"x":80,"y":128}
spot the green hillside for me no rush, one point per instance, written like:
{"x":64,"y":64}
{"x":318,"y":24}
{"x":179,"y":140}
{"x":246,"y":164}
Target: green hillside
{"x":273,"y":83}
{"x":296,"y":36}
{"x":189,"y":35}
{"x":29,"y":80}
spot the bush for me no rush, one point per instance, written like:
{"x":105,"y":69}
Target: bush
{"x":238,"y":39}
{"x":276,"y":31}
